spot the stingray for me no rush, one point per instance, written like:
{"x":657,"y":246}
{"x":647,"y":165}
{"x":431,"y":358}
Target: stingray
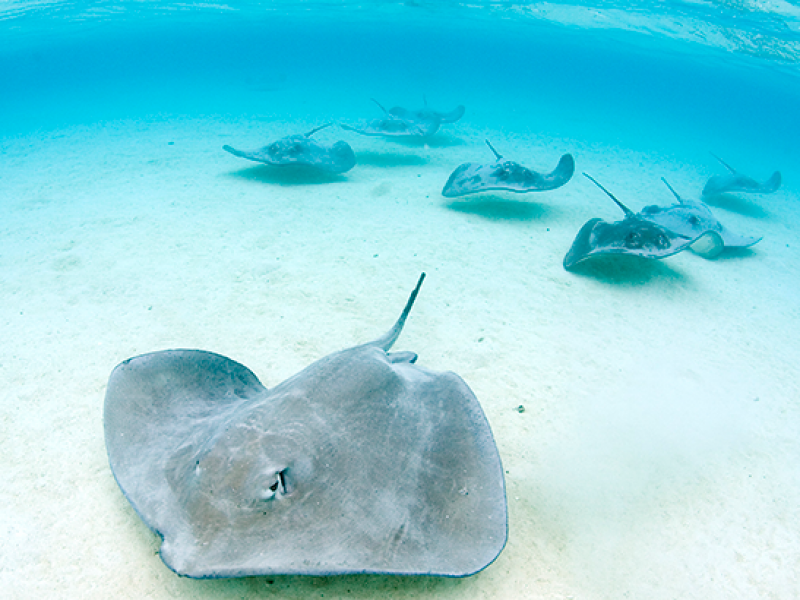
{"x":403,"y":123}
{"x":362,"y":462}
{"x":634,"y":236}
{"x":425,"y":114}
{"x":735,"y":182}
{"x":692,"y":218}
{"x":471,"y":178}
{"x":302,"y":150}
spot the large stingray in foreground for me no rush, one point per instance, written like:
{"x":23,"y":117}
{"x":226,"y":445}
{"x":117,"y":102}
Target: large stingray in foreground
{"x":736,"y":182}
{"x":400,"y":122}
{"x":470,"y":178}
{"x":634,"y":236}
{"x":302,"y":150}
{"x":360,"y":463}
{"x":692,"y":218}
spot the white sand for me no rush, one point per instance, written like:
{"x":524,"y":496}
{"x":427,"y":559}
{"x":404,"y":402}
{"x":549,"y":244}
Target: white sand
{"x":657,"y":454}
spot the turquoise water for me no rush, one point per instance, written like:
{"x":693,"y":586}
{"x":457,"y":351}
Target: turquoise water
{"x":567,"y":81}
{"x":655,"y":455}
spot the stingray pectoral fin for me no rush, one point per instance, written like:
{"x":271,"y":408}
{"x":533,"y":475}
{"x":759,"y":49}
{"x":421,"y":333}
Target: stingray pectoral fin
{"x":582,"y":247}
{"x":343,"y":157}
{"x":708,"y":245}
{"x":772,"y":184}
{"x":235,"y":152}
{"x":452,"y":116}
{"x":562,"y":173}
{"x":459,"y":183}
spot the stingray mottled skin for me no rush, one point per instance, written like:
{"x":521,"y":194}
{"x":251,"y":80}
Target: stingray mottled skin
{"x":360,"y":463}
{"x":402,"y":123}
{"x":633,"y":236}
{"x":690,"y":218}
{"x":735,"y":182}
{"x":302,"y":150}
{"x":471,"y":178}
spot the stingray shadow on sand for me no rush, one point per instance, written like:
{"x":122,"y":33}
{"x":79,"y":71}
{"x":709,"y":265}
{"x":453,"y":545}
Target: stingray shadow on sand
{"x":497,"y":208}
{"x":737,"y":204}
{"x":439,"y":140}
{"x":390,"y":159}
{"x":633,"y":272}
{"x":288,"y":175}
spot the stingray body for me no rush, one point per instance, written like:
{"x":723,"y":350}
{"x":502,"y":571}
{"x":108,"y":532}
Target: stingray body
{"x":692,"y":219}
{"x":471,"y":178}
{"x":400,"y":122}
{"x":302,"y":150}
{"x":736,"y":182}
{"x":426,"y":114}
{"x":360,"y":463}
{"x":633,"y":236}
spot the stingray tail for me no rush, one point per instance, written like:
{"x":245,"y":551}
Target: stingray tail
{"x":671,"y":189}
{"x":723,"y":163}
{"x":390,"y":337}
{"x":313,"y":131}
{"x":628,"y":212}
{"x":380,"y":105}
{"x":499,"y":157}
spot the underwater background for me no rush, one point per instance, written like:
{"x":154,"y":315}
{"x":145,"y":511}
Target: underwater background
{"x":656,"y":452}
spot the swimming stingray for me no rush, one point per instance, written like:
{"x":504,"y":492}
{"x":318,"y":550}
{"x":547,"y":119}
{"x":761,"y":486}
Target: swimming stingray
{"x":302,"y":150}
{"x":634,"y":235}
{"x":471,"y":178}
{"x":425,"y":114}
{"x":360,"y":463}
{"x":400,"y":122}
{"x":734,"y":182}
{"x":691,"y":218}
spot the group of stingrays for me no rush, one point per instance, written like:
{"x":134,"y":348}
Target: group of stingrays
{"x":363,"y":462}
{"x":654,"y":232}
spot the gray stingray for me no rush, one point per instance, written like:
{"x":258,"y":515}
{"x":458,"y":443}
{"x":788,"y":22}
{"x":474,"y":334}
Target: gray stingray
{"x":735,"y":182}
{"x":302,"y":150}
{"x":425,"y":114}
{"x":471,"y":178}
{"x":403,"y":124}
{"x":634,"y":236}
{"x":360,"y":463}
{"x":691,"y":218}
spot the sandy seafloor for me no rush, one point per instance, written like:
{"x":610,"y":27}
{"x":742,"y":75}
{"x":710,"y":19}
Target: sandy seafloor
{"x":657,"y":453}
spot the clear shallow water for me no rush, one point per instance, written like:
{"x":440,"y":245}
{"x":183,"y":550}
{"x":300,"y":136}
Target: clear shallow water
{"x":127,"y":229}
{"x":76,"y":64}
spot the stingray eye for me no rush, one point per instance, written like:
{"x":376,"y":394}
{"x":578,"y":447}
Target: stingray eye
{"x":633,"y":240}
{"x":662,"y":241}
{"x":280,"y":486}
{"x":694,"y":220}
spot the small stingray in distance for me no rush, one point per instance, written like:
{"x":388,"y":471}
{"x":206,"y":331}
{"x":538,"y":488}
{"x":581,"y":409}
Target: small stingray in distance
{"x":634,"y":236}
{"x":400,"y":122}
{"x":735,"y":182}
{"x":362,"y":462}
{"x":426,"y":114}
{"x":692,"y":218}
{"x":302,"y":150}
{"x":471,"y":178}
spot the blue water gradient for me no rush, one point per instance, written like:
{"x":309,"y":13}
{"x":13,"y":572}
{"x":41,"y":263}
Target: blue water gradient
{"x":513,"y":73}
